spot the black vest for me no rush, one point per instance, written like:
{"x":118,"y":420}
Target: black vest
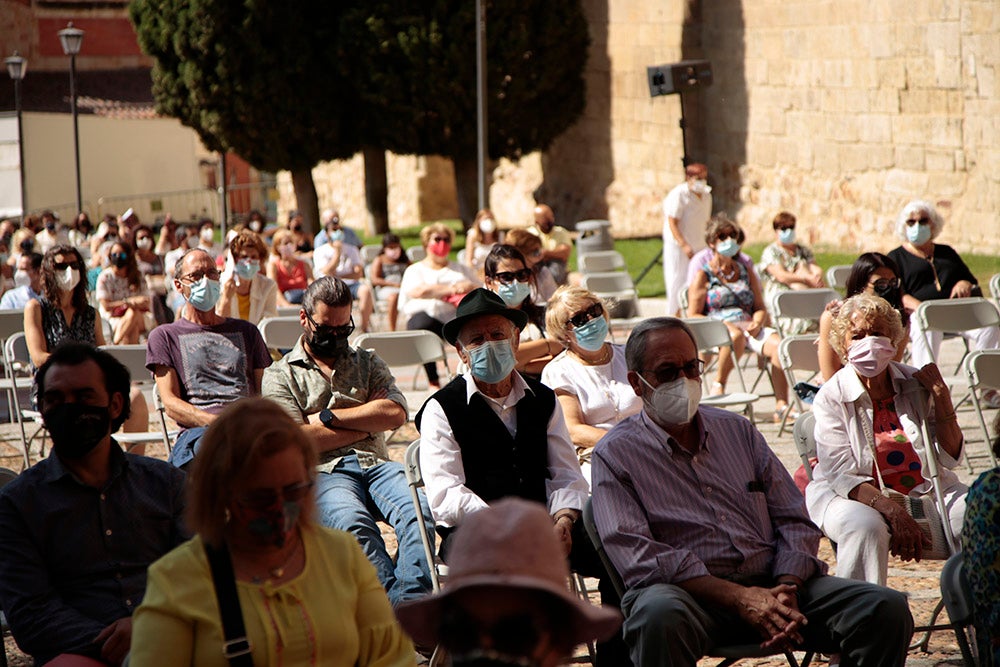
{"x":497,"y":465}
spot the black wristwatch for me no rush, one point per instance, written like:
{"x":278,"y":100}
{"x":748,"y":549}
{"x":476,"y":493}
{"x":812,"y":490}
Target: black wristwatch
{"x":326,"y":418}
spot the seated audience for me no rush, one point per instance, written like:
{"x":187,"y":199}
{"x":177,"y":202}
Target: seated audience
{"x":557,"y":244}
{"x":247,"y":294}
{"x":202,"y":362}
{"x":480,"y":239}
{"x":387,"y":274}
{"x":709,"y":532}
{"x":152,"y":270}
{"x":875,"y":274}
{"x":80,"y":231}
{"x":303,"y":238}
{"x":726,"y":290}
{"x":123,"y":296}
{"x":291,"y":273}
{"x":206,"y":240}
{"x":507,"y":582}
{"x":934,"y":271}
{"x":786,"y":265}
{"x":345,"y":399}
{"x":589,"y":378}
{"x":432,"y":287}
{"x":331,"y":218}
{"x":168,"y":239}
{"x":338,"y":258}
{"x":868,"y":437}
{"x":81,"y":527}
{"x":981,"y":551}
{"x":530,"y":246}
{"x":27,"y":283}
{"x":256,"y":222}
{"x":52,"y":233}
{"x":306,"y":594}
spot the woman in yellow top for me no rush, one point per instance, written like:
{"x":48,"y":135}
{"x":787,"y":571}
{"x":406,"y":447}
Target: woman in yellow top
{"x":308,"y":595}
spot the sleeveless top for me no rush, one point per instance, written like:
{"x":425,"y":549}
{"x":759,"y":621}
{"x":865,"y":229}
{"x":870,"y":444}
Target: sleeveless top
{"x":80,"y":330}
{"x":729,"y":302}
{"x":393,"y":272}
{"x":296,"y":279}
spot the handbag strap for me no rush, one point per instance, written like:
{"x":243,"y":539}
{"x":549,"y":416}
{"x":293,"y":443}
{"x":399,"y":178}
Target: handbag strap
{"x":236,"y":645}
{"x":866,"y":425}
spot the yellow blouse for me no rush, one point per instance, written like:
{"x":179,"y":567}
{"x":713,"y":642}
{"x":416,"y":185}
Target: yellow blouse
{"x":334,"y":613}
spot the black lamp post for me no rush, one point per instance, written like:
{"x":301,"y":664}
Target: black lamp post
{"x":72,"y":39}
{"x":16,"y":67}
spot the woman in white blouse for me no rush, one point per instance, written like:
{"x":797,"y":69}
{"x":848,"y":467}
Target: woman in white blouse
{"x":589,"y":377}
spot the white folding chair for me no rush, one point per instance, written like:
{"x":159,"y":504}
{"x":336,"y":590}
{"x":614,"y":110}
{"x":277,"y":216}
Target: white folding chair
{"x":618,"y":290}
{"x":17,"y":360}
{"x":709,"y":336}
{"x":806,"y":304}
{"x":370,"y":251}
{"x":133,"y":357}
{"x":982,"y":369}
{"x":601,"y":261}
{"x":836,"y":276}
{"x":289,"y":311}
{"x":955,"y":316}
{"x":416,"y":253}
{"x":995,"y":288}
{"x":797,"y":353}
{"x":957,"y":596}
{"x":280,"y":332}
{"x":406,"y":348}
{"x":415,"y":480}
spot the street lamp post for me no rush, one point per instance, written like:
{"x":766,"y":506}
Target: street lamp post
{"x":72,"y":39}
{"x":16,"y":67}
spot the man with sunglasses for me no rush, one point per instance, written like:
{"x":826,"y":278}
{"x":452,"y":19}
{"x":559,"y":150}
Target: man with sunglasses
{"x":202,"y":362}
{"x":346,"y":398}
{"x":710,"y":534}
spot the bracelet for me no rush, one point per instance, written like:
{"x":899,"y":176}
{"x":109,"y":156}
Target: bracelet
{"x":875,"y":499}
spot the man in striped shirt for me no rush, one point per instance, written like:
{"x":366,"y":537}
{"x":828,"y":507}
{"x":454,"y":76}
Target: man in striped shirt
{"x":710,"y":534}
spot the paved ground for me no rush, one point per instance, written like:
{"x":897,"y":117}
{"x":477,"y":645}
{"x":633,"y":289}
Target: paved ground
{"x":919,"y":580}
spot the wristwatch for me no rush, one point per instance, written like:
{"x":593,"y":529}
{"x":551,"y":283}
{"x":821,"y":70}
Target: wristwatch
{"x":326,"y":418}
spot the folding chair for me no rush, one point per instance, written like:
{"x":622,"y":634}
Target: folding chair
{"x":601,"y":261}
{"x":836,"y":276}
{"x":806,"y":304}
{"x":982,"y":369}
{"x":370,"y":251}
{"x":280,"y":332}
{"x":995,"y":288}
{"x":406,"y":348}
{"x":11,"y":322}
{"x":709,"y":336}
{"x":797,"y":353}
{"x":133,"y":357}
{"x":805,"y":440}
{"x":415,"y":480}
{"x":416,"y":253}
{"x":289,"y":311}
{"x":955,"y":316}
{"x":617,"y":288}
{"x":16,"y":360}
{"x":957,"y":598}
{"x":730,"y":654}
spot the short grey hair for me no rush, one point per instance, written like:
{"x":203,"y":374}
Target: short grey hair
{"x":635,"y":347}
{"x":328,"y":290}
{"x":180,"y":260}
{"x":919,"y":206}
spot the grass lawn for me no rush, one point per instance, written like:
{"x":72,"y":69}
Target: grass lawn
{"x":638,"y":253}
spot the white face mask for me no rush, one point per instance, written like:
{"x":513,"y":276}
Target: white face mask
{"x":68,"y":278}
{"x":871,"y":355}
{"x":145,"y":243}
{"x":207,"y":235}
{"x":487,"y":226}
{"x":22,"y":278}
{"x":700,"y":186}
{"x":673,"y":403}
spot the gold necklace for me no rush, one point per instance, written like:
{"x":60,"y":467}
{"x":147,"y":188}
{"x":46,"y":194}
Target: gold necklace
{"x":604,"y":358}
{"x":279,"y":571}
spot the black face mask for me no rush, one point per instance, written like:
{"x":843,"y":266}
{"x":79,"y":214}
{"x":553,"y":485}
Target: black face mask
{"x":892,"y":294}
{"x":119,"y":259}
{"x":326,"y":345}
{"x":76,"y":429}
{"x":27,"y":246}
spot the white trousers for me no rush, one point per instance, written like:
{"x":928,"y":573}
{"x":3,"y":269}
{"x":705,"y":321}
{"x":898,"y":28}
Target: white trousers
{"x":675,"y":267}
{"x":862,"y":535}
{"x":921,"y":343}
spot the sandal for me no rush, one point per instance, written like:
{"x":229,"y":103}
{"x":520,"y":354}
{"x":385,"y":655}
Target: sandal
{"x":779,"y":414}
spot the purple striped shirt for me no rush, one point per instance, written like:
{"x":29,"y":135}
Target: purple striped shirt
{"x":731,"y":510}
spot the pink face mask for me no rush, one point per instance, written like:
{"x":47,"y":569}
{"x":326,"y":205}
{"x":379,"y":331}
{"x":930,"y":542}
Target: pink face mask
{"x":871,"y":355}
{"x":439,"y":248}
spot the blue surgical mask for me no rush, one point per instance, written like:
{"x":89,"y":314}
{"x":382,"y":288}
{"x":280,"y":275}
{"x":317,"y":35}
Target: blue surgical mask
{"x":336,"y":235}
{"x":205,"y":294}
{"x":492,"y":361}
{"x":514,"y":294}
{"x":592,"y":334}
{"x":246,"y":269}
{"x":727,"y":248}
{"x":918,"y":234}
{"x":787,"y":235}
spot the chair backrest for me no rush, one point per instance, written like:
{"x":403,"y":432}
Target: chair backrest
{"x":836,"y":276}
{"x":595,"y":537}
{"x":280,"y":332}
{"x":11,"y":321}
{"x":806,"y":304}
{"x":983,"y":368}
{"x":132,"y":357}
{"x":708,"y":333}
{"x":404,"y":348}
{"x":954,"y":315}
{"x":416,"y":253}
{"x":411,"y":464}
{"x":601,"y":261}
{"x":289,"y":311}
{"x":16,"y":354}
{"x":805,"y":439}
{"x":370,"y":251}
{"x":608,"y":283}
{"x":995,"y":288}
{"x":415,"y":480}
{"x":799,"y":353}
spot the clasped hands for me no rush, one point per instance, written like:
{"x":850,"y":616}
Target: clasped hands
{"x":774,"y":612}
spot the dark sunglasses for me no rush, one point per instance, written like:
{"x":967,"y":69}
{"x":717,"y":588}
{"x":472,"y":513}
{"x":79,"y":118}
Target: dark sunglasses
{"x":62,"y":266}
{"x":782,"y":228}
{"x":722,"y":236}
{"x":440,"y":239}
{"x":507,"y":277}
{"x":517,"y":634}
{"x":584,"y":316}
{"x":342,"y":331}
{"x":264,"y":499}
{"x":923,"y":220}
{"x":884,"y":283}
{"x":692,"y":370}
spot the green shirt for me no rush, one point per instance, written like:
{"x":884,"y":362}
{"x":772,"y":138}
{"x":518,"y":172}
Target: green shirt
{"x":298,"y":385}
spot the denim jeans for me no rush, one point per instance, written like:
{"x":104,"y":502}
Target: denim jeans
{"x":353,"y":500}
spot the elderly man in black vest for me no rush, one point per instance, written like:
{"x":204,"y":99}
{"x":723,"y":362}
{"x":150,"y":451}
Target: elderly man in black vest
{"x":491,"y":433}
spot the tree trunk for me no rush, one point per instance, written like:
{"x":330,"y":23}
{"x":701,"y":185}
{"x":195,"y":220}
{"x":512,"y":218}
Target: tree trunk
{"x":376,"y":190}
{"x":467,"y":189}
{"x":306,"y":200}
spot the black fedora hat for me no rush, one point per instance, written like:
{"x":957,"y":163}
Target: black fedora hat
{"x":477,"y":303}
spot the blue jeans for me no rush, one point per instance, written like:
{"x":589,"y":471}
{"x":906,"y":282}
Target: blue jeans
{"x":353,"y":500}
{"x":186,"y":446}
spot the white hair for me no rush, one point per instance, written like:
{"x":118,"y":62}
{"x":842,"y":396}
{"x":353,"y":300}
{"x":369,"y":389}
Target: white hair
{"x":919,"y":206}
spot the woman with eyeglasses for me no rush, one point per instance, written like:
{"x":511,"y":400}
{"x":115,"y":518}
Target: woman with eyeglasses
{"x":872,"y":273}
{"x":306,"y":595}
{"x":508,"y":275}
{"x":726,"y":290}
{"x":786,"y":264}
{"x":433,"y":287}
{"x":931,"y":271}
{"x":590,"y":378}
{"x":123,"y":297}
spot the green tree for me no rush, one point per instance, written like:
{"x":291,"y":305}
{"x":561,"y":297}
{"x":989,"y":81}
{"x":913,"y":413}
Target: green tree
{"x":413,"y":64}
{"x":262,"y":78}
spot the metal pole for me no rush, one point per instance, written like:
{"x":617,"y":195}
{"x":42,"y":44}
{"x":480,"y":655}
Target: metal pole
{"x":76,"y":130}
{"x":20,"y":147}
{"x":481,"y":137}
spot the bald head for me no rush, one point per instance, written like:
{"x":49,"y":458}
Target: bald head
{"x":544,"y":218}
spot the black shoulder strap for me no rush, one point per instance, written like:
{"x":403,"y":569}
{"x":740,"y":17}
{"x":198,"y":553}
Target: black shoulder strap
{"x":236,"y":647}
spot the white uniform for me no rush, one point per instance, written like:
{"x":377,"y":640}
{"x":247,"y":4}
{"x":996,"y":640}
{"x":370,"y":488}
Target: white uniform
{"x":692,"y":213}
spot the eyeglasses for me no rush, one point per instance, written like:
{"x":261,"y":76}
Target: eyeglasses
{"x":517,"y":634}
{"x":722,"y":236}
{"x":341,"y":331}
{"x":692,"y":370}
{"x":62,"y":266}
{"x":264,"y":499}
{"x":212,"y":274}
{"x":584,"y":316}
{"x":884,"y":284}
{"x":440,"y":239}
{"x":922,"y":220}
{"x":507,"y":277}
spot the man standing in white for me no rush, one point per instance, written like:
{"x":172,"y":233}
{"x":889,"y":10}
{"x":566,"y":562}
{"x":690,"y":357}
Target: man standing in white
{"x":686,"y":211}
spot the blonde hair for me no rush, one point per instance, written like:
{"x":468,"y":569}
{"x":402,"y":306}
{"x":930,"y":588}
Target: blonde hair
{"x":567,"y":301}
{"x":281,"y":237}
{"x":245,"y":433}
{"x":868,"y":310}
{"x":435,"y":228}
{"x":523,"y":240}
